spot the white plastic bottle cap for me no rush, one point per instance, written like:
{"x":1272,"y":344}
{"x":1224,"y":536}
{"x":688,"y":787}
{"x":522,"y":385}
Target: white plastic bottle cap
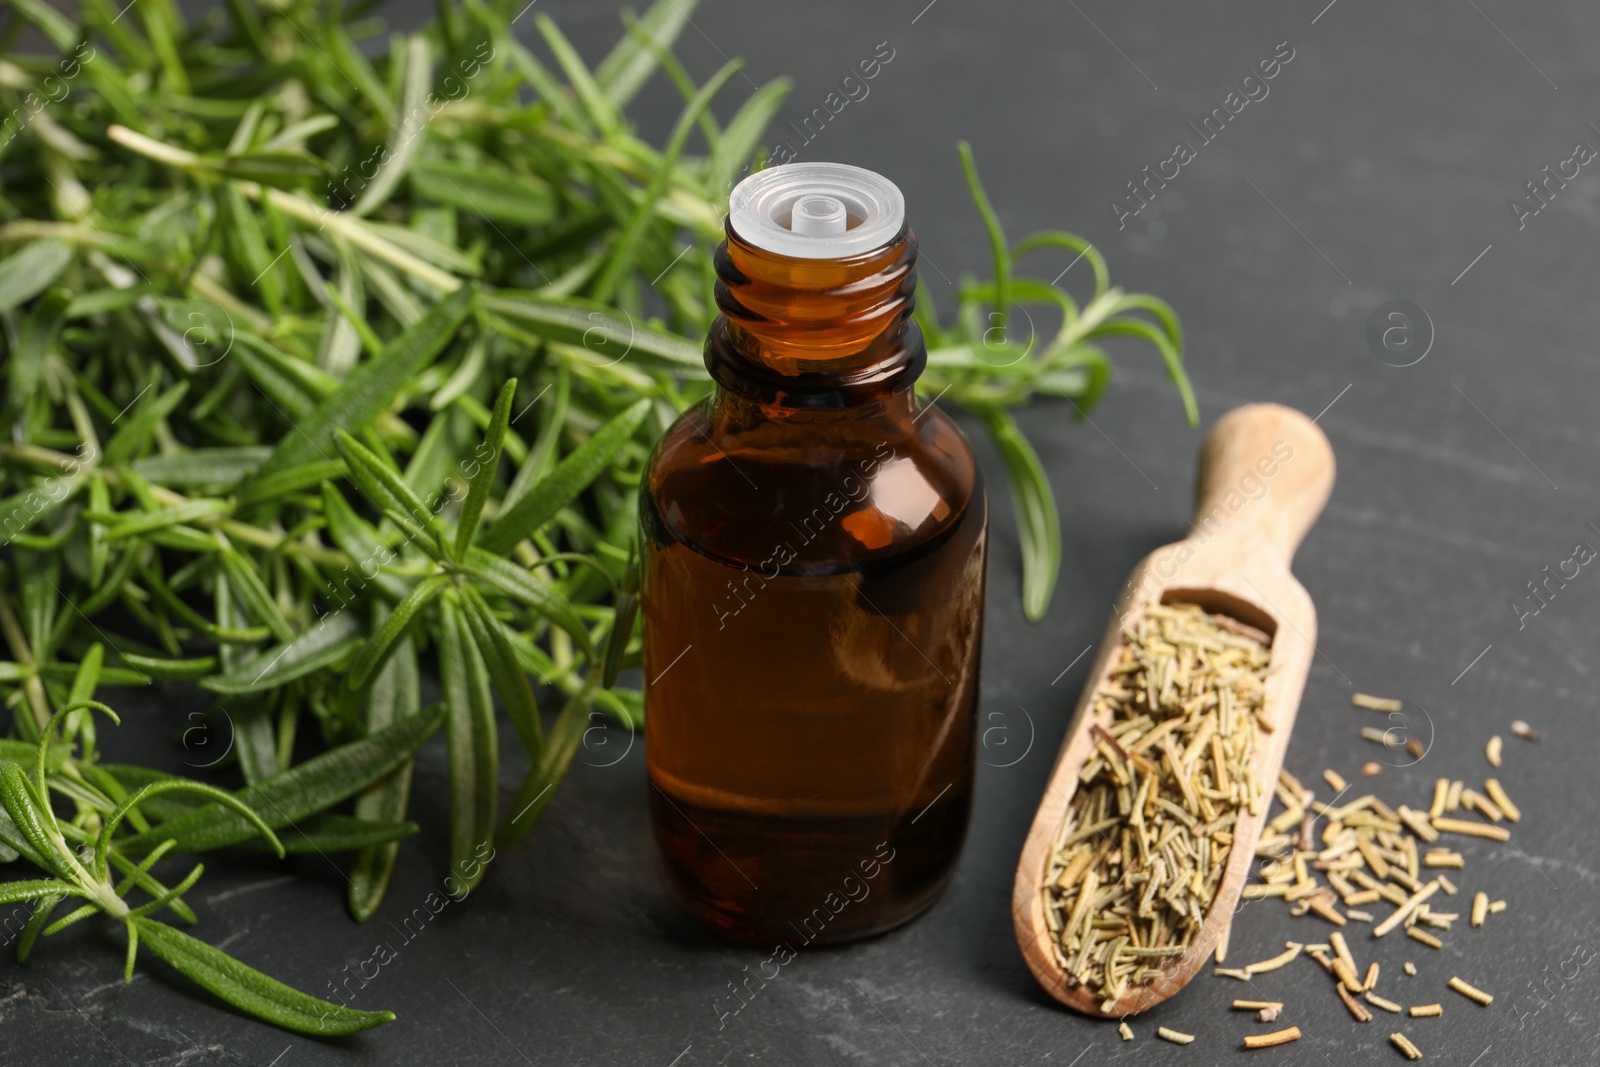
{"x":817,"y":210}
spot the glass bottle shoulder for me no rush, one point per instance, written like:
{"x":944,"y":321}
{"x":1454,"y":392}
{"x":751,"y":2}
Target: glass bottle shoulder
{"x":809,"y":494}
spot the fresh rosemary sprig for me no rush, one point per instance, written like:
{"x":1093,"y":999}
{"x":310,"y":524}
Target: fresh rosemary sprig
{"x":326,"y":357}
{"x":79,"y":855}
{"x":987,"y":364}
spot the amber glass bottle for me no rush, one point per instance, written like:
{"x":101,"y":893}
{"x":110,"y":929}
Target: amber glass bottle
{"x":813,"y":579}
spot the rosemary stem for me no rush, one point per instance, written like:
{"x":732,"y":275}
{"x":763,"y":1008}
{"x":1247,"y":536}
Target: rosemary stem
{"x":31,"y":684}
{"x":350,"y":228}
{"x":335,"y":222}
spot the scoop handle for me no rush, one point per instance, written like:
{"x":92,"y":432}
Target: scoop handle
{"x":1265,"y":473}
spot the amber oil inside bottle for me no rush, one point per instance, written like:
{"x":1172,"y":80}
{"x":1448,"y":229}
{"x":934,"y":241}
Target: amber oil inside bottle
{"x":813,"y":579}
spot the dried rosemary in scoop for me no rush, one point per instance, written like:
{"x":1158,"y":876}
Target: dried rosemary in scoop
{"x":1143,"y":848}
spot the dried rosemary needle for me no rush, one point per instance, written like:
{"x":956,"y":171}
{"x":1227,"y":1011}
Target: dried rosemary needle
{"x":1404,"y":1044}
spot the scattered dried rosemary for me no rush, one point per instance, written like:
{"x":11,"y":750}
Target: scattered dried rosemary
{"x":1404,"y":1044}
{"x":1471,"y":992}
{"x":1144,"y":846}
{"x":1368,"y":852}
{"x":1273,"y":1040}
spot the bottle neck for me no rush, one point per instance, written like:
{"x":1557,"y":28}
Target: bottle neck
{"x":816,"y":334}
{"x":733,"y":412}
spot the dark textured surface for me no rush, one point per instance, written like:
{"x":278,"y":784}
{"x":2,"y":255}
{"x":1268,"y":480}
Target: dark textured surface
{"x":1393,"y":140}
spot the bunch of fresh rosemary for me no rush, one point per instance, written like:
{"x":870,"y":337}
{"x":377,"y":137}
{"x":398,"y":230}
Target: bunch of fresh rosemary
{"x":322,"y":357}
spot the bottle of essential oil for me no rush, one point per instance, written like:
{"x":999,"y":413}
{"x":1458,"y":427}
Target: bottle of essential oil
{"x":813,"y":580}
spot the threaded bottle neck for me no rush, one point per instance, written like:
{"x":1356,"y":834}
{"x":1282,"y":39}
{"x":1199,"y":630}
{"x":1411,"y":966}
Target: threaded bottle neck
{"x":815,"y":332}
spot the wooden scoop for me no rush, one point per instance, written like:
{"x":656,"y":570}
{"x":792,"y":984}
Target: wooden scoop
{"x":1235,"y":562}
